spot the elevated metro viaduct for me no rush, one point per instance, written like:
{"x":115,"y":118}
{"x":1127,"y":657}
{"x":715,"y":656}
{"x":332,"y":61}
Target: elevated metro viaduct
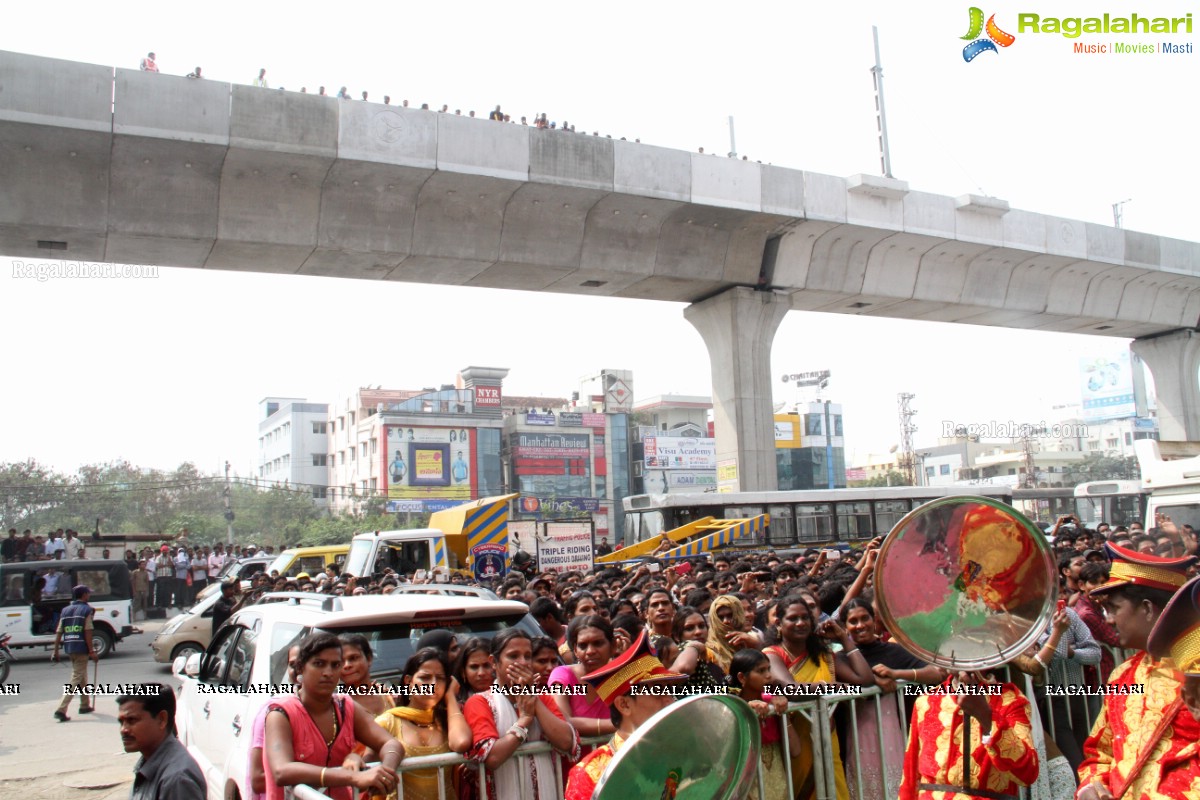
{"x":116,"y":165}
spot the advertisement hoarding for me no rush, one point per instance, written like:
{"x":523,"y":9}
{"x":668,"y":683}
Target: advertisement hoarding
{"x":565,"y":546}
{"x":551,"y":445}
{"x":1106,"y":387}
{"x":683,"y":481}
{"x":682,"y":452}
{"x":433,"y":463}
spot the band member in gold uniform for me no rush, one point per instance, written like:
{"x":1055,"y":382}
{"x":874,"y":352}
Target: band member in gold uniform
{"x":1143,"y":744}
{"x":614,"y":684}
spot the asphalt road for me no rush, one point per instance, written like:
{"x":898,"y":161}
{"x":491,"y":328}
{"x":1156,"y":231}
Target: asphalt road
{"x":46,"y":759}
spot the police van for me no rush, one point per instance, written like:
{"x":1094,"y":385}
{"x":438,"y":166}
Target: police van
{"x":33,"y":595}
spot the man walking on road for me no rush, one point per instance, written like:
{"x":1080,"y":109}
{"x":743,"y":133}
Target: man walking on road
{"x":74,"y":635}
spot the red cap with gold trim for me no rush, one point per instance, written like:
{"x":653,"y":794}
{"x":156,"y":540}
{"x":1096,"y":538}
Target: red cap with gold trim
{"x":1140,"y":569}
{"x":1176,"y":634}
{"x":637,"y":666}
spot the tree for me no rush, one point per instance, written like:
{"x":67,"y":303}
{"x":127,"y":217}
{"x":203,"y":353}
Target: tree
{"x":1101,"y":466}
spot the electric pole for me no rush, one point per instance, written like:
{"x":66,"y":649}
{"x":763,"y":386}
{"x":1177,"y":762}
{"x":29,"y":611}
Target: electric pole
{"x":732,"y":142}
{"x":907,"y":429}
{"x":228,"y":508}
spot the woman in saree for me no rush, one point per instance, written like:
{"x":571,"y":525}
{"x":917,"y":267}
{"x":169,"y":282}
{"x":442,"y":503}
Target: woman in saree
{"x":427,"y":721}
{"x":803,"y":657}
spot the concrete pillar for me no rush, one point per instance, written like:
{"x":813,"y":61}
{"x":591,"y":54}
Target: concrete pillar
{"x":738,"y":327}
{"x":1174,"y":361}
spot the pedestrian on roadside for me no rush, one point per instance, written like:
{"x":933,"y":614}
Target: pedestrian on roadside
{"x":149,"y":64}
{"x":74,"y":635}
{"x":164,"y":578}
{"x":139,"y":581}
{"x":166,"y":769}
{"x":261,"y":80}
{"x":224,"y":607}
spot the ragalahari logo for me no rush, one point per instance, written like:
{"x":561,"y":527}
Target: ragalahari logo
{"x":995,"y":36}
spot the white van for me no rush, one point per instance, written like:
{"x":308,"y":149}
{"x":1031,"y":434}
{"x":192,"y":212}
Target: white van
{"x":36,"y":592}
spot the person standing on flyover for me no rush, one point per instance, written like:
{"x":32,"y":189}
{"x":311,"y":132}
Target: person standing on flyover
{"x":74,"y":635}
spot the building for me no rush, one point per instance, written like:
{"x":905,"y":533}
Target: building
{"x":292,"y":444}
{"x":673,"y":446}
{"x":810,"y":448}
{"x":418,"y":451}
{"x":571,"y":459}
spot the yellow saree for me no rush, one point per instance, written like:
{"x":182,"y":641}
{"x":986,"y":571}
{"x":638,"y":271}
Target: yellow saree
{"x":806,"y":670}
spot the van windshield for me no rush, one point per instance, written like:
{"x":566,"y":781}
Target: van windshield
{"x":394,"y":643}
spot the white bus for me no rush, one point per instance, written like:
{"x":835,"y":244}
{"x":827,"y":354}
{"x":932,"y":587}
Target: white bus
{"x":1114,"y":502}
{"x":797,"y":518}
{"x":1173,"y":483}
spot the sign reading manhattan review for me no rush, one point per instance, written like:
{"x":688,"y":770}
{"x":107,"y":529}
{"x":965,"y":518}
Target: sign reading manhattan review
{"x":565,"y":546}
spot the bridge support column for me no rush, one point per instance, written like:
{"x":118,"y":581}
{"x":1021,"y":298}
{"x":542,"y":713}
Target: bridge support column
{"x":1174,"y":360}
{"x":738,"y":326}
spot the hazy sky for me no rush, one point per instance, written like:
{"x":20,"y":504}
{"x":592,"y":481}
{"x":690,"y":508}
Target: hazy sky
{"x":171,"y":369}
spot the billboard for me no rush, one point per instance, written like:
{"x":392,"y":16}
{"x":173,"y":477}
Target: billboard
{"x":666,"y":481}
{"x":533,"y":418}
{"x":565,"y":546}
{"x":1106,"y":387}
{"x":671,"y":452}
{"x":428,"y":463}
{"x":552,"y":445}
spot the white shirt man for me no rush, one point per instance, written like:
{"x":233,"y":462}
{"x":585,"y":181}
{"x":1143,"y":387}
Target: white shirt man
{"x":215,"y":562}
{"x":72,"y":547}
{"x":53,"y":545}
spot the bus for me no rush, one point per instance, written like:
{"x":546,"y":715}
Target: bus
{"x":1044,"y":505}
{"x":1114,"y":502}
{"x":806,"y":518}
{"x":1171,"y":474}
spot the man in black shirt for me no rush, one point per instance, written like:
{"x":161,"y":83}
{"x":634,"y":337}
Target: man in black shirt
{"x":224,"y":607}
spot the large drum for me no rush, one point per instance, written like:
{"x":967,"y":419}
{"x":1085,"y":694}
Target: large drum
{"x":704,"y":747}
{"x":965,"y":583}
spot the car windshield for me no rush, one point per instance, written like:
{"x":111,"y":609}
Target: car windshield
{"x":394,"y":643}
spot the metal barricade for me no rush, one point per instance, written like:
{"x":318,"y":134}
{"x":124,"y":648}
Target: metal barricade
{"x":446,"y":792}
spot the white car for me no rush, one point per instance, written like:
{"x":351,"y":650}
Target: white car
{"x":217,"y":698}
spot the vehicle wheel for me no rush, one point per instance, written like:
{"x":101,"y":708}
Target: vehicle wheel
{"x":186,"y":650}
{"x":4,"y":668}
{"x":103,"y":643}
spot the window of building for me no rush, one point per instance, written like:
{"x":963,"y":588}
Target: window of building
{"x":318,"y":492}
{"x":374,"y":484}
{"x":837,"y":424}
{"x":812,"y":425}
{"x":351,"y":452}
{"x":929,"y":472}
{"x":319,"y":459}
{"x":363,"y":448}
{"x":1111,"y":444}
{"x":351,"y":417}
{"x":944,"y":469}
{"x":364,"y":486}
{"x":1128,"y":439}
{"x":374,"y":446}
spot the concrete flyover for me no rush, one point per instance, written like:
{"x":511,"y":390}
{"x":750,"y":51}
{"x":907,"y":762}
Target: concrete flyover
{"x":103,"y":164}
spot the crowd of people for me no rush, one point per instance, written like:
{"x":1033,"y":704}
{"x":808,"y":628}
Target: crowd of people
{"x":540,"y":120}
{"x":759,"y":624}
